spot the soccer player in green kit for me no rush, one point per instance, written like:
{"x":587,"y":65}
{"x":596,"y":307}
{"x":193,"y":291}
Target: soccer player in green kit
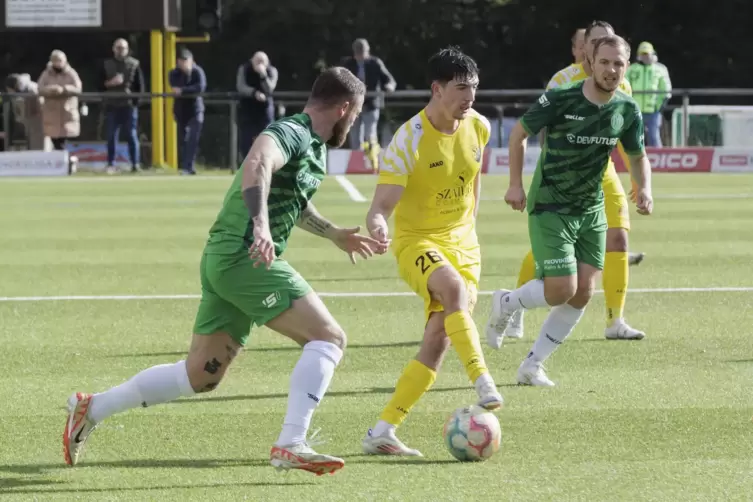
{"x":566,"y":219}
{"x":244,"y":281}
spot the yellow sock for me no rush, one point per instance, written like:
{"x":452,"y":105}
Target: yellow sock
{"x":463,"y":334}
{"x":615,"y":282}
{"x":413,"y":383}
{"x":527,"y":270}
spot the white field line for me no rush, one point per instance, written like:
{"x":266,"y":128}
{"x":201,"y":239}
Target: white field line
{"x":355,"y":294}
{"x":680,"y":196}
{"x":350,"y":188}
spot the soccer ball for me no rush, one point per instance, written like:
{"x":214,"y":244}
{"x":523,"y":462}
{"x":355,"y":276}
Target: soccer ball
{"x":472,"y":434}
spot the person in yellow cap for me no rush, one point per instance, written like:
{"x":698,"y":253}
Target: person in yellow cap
{"x":652,"y":88}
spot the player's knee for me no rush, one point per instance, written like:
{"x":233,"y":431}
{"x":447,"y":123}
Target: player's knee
{"x":331,"y":333}
{"x":560,"y":291}
{"x":617,"y":240}
{"x":451,"y":293}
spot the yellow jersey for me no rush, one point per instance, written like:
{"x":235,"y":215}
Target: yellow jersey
{"x":576,"y":73}
{"x":438,"y":172}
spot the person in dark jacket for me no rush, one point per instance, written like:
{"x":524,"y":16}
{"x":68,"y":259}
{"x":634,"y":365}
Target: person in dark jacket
{"x":256,"y":80}
{"x":372,"y":72}
{"x":122,"y":74}
{"x":187,"y":80}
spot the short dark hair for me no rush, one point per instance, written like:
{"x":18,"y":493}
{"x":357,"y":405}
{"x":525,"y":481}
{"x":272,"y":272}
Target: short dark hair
{"x":598,"y":24}
{"x":451,"y":63}
{"x":615,"y":41}
{"x":336,"y":85}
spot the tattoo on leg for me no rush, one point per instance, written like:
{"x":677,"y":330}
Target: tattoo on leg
{"x":213,"y":366}
{"x":232,"y":352}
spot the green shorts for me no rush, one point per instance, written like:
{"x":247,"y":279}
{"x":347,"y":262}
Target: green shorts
{"x":235,"y":295}
{"x":559,"y":242}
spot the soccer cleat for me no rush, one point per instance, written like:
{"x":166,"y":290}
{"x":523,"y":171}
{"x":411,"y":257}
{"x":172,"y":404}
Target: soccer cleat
{"x":531,"y":372}
{"x":78,"y":427}
{"x":387,"y":444}
{"x":499,"y":319}
{"x":620,"y":330}
{"x":515,"y":329}
{"x":302,"y":457}
{"x":489,"y":397}
{"x":635,"y":258}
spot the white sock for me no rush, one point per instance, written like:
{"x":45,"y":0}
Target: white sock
{"x":557,"y":326}
{"x":383,"y":428}
{"x":308,"y":384}
{"x":158,"y":384}
{"x":529,"y":296}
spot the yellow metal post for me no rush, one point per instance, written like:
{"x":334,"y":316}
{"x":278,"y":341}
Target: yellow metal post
{"x":171,"y":131}
{"x":157,"y":105}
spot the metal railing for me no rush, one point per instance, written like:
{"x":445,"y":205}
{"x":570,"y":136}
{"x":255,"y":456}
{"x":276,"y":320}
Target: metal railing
{"x":223,"y":107}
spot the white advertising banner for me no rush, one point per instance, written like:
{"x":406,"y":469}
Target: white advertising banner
{"x":30,"y":163}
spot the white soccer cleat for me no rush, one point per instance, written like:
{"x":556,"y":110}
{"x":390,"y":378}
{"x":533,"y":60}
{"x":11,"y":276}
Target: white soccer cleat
{"x":620,"y":330}
{"x":499,"y":319}
{"x":302,"y":457}
{"x":515,"y":329}
{"x":387,"y":444}
{"x":489,"y":397}
{"x":78,"y":427}
{"x":635,"y":259}
{"x":531,"y":372}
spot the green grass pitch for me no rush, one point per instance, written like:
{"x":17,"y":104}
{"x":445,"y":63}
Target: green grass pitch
{"x":667,"y":418}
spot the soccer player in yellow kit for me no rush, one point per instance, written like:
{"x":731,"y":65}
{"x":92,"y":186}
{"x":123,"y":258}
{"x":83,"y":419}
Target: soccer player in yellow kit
{"x":615,"y":275}
{"x":430,"y":178}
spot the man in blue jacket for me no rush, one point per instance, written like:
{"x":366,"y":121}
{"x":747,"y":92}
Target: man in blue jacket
{"x":187,"y":80}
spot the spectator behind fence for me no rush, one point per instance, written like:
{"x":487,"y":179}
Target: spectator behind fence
{"x":122,"y":74}
{"x":372,"y":72}
{"x":27,"y":111}
{"x":256,"y":79}
{"x":187,"y":80}
{"x":60,"y":86}
{"x":647,"y":75}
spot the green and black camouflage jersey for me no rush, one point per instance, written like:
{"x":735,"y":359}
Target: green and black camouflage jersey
{"x":291,"y":188}
{"x":580,"y":136}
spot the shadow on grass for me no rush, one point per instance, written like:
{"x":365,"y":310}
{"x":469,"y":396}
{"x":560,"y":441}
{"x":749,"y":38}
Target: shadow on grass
{"x":178,"y":463}
{"x":343,"y":393}
{"x":287,"y":348}
{"x":383,"y":459}
{"x":11,"y":483}
{"x":740,"y":361}
{"x":153,"y":488}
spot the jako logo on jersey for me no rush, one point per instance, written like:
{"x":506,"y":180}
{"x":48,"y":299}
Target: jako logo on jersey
{"x":436,"y":164}
{"x":308,"y":179}
{"x":574,"y":117}
{"x":591,"y":140}
{"x":543,"y":101}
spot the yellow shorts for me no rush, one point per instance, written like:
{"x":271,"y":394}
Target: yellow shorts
{"x":615,"y":200}
{"x":417,"y":260}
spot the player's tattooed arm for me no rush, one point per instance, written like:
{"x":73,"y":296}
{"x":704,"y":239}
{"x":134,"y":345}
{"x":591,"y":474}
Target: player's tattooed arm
{"x":313,"y":222}
{"x":261,"y":162}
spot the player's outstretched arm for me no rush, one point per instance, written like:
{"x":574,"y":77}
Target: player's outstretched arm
{"x":347,"y":239}
{"x":264,"y":159}
{"x":516,"y":195}
{"x":383,"y":204}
